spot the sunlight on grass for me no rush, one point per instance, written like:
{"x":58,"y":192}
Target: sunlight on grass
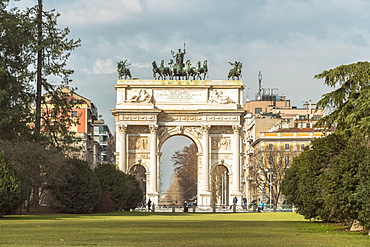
{"x":173,"y":229}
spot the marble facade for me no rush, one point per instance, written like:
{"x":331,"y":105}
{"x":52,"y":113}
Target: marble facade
{"x":209,"y":112}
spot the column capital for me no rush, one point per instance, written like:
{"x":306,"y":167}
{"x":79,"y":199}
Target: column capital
{"x":236,"y":129}
{"x":153,"y":129}
{"x":205,"y":128}
{"x":122,"y":128}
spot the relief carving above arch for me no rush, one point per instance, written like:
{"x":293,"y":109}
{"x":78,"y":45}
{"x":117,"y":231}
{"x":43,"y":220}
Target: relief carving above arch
{"x":220,"y":143}
{"x":138,"y":143}
{"x":138,"y":129}
{"x":221,"y":130}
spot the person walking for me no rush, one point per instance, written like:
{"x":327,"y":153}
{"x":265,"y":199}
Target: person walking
{"x":149,"y":205}
{"x":262,"y":206}
{"x":235,"y":200}
{"x":185,"y":206}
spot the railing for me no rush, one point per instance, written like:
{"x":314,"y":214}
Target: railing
{"x":213,"y":208}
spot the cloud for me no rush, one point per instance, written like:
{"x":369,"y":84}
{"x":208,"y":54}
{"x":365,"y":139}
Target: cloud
{"x":289,"y":41}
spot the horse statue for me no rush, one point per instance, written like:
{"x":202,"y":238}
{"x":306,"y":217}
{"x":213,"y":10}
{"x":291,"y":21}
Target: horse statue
{"x":171,"y":69}
{"x":156,"y":70}
{"x":236,"y":72}
{"x":201,"y":70}
{"x":189,"y":71}
{"x":165,"y":71}
{"x":123,"y":71}
{"x":175,"y":71}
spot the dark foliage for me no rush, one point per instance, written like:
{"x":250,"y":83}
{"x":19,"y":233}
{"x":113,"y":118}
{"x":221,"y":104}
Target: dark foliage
{"x":10,"y":188}
{"x":80,"y":193}
{"x":125,"y":191}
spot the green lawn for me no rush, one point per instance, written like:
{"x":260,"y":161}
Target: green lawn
{"x":173,"y":229}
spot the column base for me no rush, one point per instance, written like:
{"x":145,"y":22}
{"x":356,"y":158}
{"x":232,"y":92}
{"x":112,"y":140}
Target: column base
{"x":204,"y":198}
{"x":153,"y":196}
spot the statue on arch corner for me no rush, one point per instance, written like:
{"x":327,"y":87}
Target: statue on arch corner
{"x":123,"y":70}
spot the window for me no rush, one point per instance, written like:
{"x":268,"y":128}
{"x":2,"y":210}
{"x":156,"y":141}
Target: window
{"x":286,"y":160}
{"x":308,"y":125}
{"x":257,"y":110}
{"x":303,"y":145}
{"x":74,"y":114}
{"x":271,"y":147}
{"x":271,"y":160}
{"x":287,"y":146}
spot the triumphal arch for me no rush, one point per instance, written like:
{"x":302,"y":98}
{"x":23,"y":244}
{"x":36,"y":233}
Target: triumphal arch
{"x":209,"y":112}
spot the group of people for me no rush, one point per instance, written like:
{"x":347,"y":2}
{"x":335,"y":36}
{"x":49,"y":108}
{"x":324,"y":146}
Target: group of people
{"x":261,"y":205}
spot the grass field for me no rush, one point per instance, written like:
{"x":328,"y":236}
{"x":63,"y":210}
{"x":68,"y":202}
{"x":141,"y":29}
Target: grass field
{"x":173,"y":229}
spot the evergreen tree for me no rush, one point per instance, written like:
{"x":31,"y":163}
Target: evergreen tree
{"x":10,"y":188}
{"x":81,"y":191}
{"x":302,"y":185}
{"x":349,"y":102}
{"x":124,"y":189}
{"x":329,"y":181}
{"x":33,"y":49}
{"x":16,"y":92}
{"x":39,"y":167}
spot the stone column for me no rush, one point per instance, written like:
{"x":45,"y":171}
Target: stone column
{"x":121,"y":146}
{"x":205,"y":158}
{"x":236,"y":160}
{"x":153,"y":159}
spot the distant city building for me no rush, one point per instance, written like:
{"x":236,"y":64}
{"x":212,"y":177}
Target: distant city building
{"x":86,"y":113}
{"x":101,"y":135}
{"x":274,"y":132}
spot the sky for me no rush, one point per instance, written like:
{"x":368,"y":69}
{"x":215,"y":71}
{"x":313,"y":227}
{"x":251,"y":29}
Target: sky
{"x":289,"y":41}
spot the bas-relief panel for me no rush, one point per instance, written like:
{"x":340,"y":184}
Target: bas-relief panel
{"x":138,"y":129}
{"x":139,"y":95}
{"x":223,"y":96}
{"x":138,"y":143}
{"x":220,"y":143}
{"x":221,"y":130}
{"x":138,"y":156}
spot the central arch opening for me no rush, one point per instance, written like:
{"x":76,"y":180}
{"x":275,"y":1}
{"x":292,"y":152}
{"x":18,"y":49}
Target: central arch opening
{"x":178,"y":171}
{"x":220,"y":185}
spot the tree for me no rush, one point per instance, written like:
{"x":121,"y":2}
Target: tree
{"x":111,"y":149}
{"x":16,"y":92}
{"x":349,"y":101}
{"x":363,"y":192}
{"x":302,"y":186}
{"x":81,"y":191}
{"x":33,"y":48}
{"x":124,"y":190}
{"x":10,"y":188}
{"x":185,"y":169}
{"x":268,"y":170}
{"x":38,"y":167}
{"x":329,"y":180}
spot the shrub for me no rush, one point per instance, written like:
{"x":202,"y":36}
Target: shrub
{"x":81,"y":191}
{"x":124,"y":189}
{"x":10,"y":188}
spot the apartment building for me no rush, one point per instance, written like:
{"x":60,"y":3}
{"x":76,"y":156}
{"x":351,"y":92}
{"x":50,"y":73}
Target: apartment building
{"x":85,"y":112}
{"x":274,"y":132}
{"x":101,"y":135}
